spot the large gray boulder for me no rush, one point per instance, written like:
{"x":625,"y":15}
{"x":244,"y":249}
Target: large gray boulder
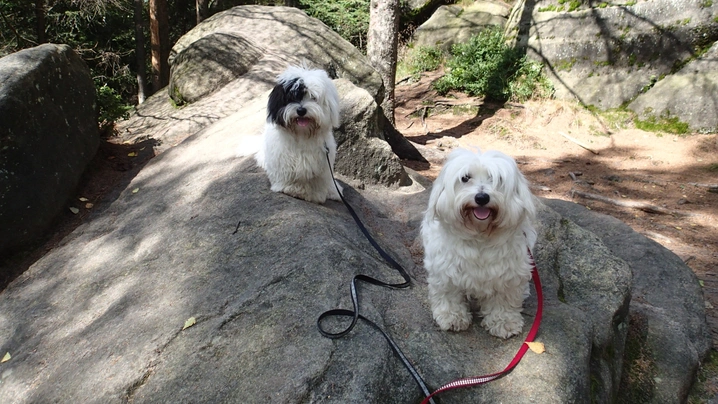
{"x":691,"y":94}
{"x":667,"y":314}
{"x":453,"y":24}
{"x":279,"y":30}
{"x":606,"y":54}
{"x":101,"y":318}
{"x":208,"y":64}
{"x":216,"y":84}
{"x":48,"y":135}
{"x":363,"y":152}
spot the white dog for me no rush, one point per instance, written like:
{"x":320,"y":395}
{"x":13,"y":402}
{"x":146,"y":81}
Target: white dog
{"x":302,"y":111}
{"x":476,"y":234}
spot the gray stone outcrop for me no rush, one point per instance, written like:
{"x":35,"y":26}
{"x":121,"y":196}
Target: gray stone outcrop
{"x":451,"y":24}
{"x":690,"y":94}
{"x":364,"y":153}
{"x":607,"y":54}
{"x":48,"y":135}
{"x":670,"y":334}
{"x":208,"y":64}
{"x":246,"y":69}
{"x":286,"y":31}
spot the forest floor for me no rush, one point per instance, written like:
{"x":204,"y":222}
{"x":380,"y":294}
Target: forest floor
{"x":645,"y":179}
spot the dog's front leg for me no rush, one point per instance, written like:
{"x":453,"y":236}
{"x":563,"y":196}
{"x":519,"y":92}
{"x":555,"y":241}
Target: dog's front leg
{"x":449,"y":305}
{"x":502,"y":313}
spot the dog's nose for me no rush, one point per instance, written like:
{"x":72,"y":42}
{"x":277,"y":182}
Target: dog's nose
{"x":482,"y":199}
{"x":301,"y":111}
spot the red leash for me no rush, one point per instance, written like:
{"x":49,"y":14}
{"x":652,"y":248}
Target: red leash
{"x":477,"y":380}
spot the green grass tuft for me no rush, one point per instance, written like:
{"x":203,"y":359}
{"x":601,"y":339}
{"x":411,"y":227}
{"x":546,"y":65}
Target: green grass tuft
{"x":418,"y":60}
{"x":663,"y":124}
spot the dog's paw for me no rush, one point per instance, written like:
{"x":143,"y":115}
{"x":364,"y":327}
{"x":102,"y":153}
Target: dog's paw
{"x":456,"y":320}
{"x":503,"y":326}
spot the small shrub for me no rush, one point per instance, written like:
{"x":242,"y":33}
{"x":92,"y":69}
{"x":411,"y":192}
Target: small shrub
{"x":487,"y":66}
{"x":420,"y":59}
{"x":111,"y":105}
{"x":349,"y":18}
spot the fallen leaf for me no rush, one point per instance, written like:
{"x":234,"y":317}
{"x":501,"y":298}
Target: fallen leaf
{"x":5,"y":358}
{"x":136,"y":190}
{"x":189,"y":323}
{"x":700,"y":282}
{"x":83,"y":199}
{"x":536,"y":347}
{"x":74,"y":210}
{"x":679,"y":228}
{"x":132,"y":154}
{"x":89,"y":205}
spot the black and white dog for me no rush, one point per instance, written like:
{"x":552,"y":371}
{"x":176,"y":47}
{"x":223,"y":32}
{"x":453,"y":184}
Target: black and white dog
{"x":302,"y":111}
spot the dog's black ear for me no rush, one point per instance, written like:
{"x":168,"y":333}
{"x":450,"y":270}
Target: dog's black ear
{"x":277,"y":102}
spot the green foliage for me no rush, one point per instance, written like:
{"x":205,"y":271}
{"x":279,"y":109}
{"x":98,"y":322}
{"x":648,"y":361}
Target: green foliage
{"x":664,"y":123}
{"x":101,"y":32}
{"x":529,"y":82}
{"x":420,"y":59}
{"x":551,"y":7}
{"x":349,"y":18}
{"x":112,"y":106}
{"x":487,"y":66}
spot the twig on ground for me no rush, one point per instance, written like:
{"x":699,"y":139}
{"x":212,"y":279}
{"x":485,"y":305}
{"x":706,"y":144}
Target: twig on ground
{"x":578,"y":142}
{"x":407,"y":78}
{"x":646,"y":207}
{"x":443,"y":103}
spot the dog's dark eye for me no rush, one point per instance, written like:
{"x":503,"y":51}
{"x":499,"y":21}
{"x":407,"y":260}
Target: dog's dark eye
{"x":465,"y":178}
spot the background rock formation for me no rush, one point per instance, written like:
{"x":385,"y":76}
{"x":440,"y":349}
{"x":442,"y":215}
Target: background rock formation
{"x":48,"y":135}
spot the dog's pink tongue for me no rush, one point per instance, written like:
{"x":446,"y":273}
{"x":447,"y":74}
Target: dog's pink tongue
{"x":482,"y":213}
{"x":303,"y":121}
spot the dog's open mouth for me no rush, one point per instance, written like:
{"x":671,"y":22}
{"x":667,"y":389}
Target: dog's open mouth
{"x":303,"y":121}
{"x":481,"y":212}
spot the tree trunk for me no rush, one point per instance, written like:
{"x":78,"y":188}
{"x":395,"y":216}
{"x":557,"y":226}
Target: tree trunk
{"x":40,"y":21}
{"x":140,"y":51}
{"x":381,"y":48}
{"x":160,"y":44}
{"x":202,"y":10}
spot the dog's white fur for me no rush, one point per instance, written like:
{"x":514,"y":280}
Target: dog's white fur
{"x":485,"y":259}
{"x":302,"y":111}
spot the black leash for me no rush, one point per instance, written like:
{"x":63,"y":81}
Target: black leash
{"x":354,"y":314}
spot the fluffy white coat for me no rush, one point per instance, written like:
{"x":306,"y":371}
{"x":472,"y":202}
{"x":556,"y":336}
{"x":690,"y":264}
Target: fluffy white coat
{"x":302,"y":111}
{"x":476,"y":234}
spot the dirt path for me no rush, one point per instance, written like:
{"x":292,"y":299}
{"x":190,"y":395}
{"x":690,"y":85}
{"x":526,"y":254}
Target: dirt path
{"x":625,"y":166}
